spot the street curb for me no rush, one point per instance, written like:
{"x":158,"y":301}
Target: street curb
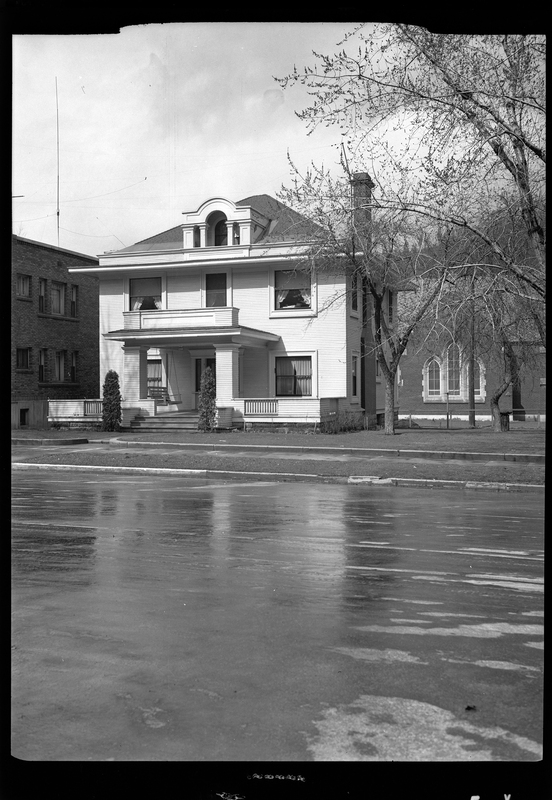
{"x":47,"y":442}
{"x":291,"y":476}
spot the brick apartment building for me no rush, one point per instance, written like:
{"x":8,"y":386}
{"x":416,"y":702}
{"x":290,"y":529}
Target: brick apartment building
{"x":55,"y":329}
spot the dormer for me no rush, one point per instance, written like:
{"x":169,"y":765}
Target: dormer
{"x":220,"y":223}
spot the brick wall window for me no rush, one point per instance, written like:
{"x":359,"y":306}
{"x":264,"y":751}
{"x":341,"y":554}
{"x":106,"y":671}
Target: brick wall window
{"x":23,"y":286}
{"x":58,"y":298}
{"x":42,"y":365}
{"x":74,"y":301}
{"x":42,"y":294}
{"x":74,"y":363}
{"x":59,"y":366}
{"x":23,"y":358}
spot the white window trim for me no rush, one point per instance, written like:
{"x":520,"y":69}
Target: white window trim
{"x":275,"y":313}
{"x":217,"y":271}
{"x":453,"y":398}
{"x":273,"y":355}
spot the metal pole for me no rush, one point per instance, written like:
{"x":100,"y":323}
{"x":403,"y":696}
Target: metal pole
{"x":447,"y":410}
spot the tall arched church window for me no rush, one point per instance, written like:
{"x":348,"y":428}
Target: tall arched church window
{"x":433,"y":378}
{"x":453,"y":370}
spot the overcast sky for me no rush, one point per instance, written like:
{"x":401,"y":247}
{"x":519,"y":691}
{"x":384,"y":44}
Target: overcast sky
{"x":155,"y":120}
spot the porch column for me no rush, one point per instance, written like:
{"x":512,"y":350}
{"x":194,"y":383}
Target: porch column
{"x":227,"y":373}
{"x":135,"y":372}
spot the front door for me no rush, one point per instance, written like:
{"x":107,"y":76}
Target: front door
{"x":201,"y":365}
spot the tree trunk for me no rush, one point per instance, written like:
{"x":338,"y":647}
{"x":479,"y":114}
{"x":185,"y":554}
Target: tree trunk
{"x":495,"y":409}
{"x":389,"y":403}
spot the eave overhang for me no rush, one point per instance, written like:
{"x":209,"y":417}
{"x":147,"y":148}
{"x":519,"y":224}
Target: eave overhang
{"x":193,"y":337}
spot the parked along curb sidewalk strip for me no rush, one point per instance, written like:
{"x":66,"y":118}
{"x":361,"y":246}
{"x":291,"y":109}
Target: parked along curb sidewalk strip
{"x":290,"y":476}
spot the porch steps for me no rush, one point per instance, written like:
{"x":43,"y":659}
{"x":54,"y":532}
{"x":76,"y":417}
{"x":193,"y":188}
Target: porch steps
{"x":172,"y":421}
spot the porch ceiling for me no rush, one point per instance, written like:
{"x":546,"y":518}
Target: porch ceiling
{"x":202,"y":337}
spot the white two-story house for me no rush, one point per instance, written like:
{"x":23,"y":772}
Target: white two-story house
{"x":227,"y":289}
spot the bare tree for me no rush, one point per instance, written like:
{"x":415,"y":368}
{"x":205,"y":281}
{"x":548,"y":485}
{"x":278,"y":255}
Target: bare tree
{"x":451,"y":127}
{"x":385,"y":254}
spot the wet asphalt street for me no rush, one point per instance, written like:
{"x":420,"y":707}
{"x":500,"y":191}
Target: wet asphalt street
{"x":163,"y":619}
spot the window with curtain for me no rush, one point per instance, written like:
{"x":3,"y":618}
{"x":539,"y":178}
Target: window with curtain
{"x":215,"y":289}
{"x":58,"y":298}
{"x":294,"y":376}
{"x":145,"y":294}
{"x":292,"y":289}
{"x":154,"y":373}
{"x":453,"y":370}
{"x":434,"y":378}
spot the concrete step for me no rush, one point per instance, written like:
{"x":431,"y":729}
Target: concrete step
{"x":175,"y":421}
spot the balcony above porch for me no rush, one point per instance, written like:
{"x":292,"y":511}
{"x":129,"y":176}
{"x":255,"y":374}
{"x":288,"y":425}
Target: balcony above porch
{"x":163,"y":319}
{"x":188,"y":327}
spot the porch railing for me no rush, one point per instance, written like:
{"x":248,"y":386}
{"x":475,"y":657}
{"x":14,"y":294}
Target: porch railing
{"x":261,"y":407}
{"x":93,"y":408}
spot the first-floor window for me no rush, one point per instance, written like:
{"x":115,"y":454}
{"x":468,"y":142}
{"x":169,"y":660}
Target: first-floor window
{"x":434,"y":378}
{"x":154,"y":373}
{"x":59,"y":365}
{"x":354,"y":376}
{"x":42,"y":365}
{"x":294,"y":376}
{"x":292,"y":289}
{"x":453,"y":370}
{"x":74,"y":359}
{"x":22,"y":358}
{"x":145,"y":294}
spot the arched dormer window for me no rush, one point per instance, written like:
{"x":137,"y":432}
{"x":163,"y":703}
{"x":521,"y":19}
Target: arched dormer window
{"x":221,"y":233}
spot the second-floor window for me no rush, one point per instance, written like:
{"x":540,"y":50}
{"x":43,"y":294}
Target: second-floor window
{"x":58,"y":298}
{"x":42,"y":295}
{"x":24,"y":285}
{"x":215,"y":289}
{"x":74,"y":300}
{"x":145,"y":294}
{"x":22,"y":358}
{"x":292,"y":289}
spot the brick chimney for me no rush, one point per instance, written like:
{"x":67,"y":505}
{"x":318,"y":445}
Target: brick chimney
{"x":362,"y":185}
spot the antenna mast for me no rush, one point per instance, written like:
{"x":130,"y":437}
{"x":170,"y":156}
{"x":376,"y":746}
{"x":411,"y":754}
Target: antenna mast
{"x":57,"y":150}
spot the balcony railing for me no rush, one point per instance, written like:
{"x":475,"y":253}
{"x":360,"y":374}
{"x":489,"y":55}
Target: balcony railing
{"x":186,"y":318}
{"x":93,"y":408}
